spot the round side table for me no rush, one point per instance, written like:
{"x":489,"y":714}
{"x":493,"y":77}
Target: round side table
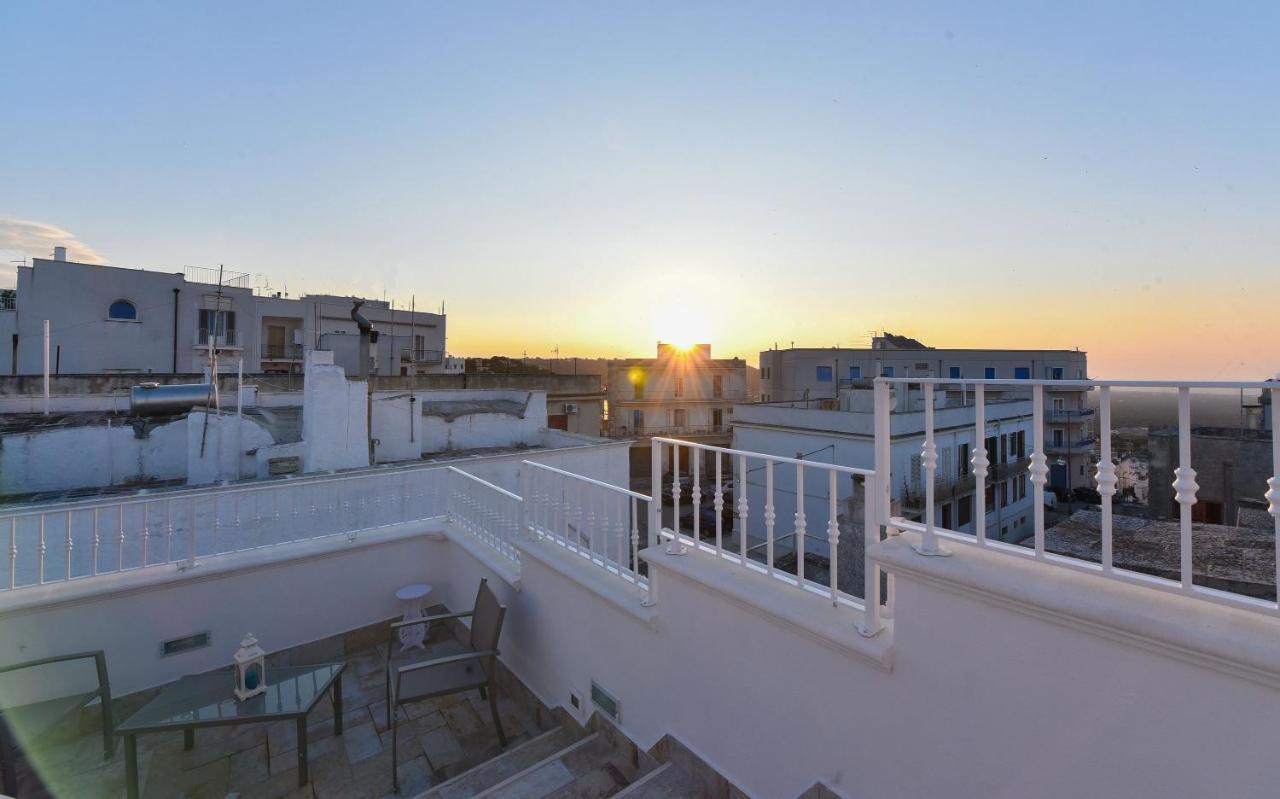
{"x":413,"y":599}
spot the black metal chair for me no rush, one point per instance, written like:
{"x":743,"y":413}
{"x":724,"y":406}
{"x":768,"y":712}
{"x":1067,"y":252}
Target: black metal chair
{"x":473,"y":666}
{"x":28,"y":723}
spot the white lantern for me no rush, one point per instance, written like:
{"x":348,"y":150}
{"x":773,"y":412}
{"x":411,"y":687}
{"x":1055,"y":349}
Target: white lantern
{"x":251,"y":668}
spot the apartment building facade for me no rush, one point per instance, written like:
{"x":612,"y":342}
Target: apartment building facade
{"x":807,"y":374}
{"x":843,"y":433}
{"x":106,"y":319}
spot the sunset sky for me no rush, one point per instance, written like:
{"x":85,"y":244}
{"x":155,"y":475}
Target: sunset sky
{"x":598,"y":176}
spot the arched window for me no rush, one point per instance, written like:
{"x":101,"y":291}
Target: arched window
{"x":123,"y":311}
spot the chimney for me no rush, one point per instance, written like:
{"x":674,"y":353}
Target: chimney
{"x":59,"y":253}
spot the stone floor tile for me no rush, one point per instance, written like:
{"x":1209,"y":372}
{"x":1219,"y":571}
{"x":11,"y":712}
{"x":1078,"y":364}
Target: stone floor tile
{"x":462,"y":718}
{"x":361,"y":742}
{"x":210,"y":780}
{"x":441,"y":747}
{"x":249,"y":767}
{"x":408,"y":745}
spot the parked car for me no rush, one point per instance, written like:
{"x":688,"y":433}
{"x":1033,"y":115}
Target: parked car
{"x":1087,"y":495}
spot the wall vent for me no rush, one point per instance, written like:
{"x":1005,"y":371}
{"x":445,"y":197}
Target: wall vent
{"x":177,"y":646}
{"x":606,"y":702}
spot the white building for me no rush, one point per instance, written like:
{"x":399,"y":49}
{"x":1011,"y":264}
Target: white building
{"x":819,"y":373}
{"x":843,"y":433}
{"x":106,"y":319}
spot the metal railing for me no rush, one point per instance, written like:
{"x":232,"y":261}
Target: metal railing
{"x":596,"y":520}
{"x":216,"y":277}
{"x":282,"y":352}
{"x":1066,"y":414}
{"x":71,"y":541}
{"x":489,"y":513}
{"x":1105,"y":480}
{"x":220,"y":338}
{"x":771,"y":479}
{"x":421,"y":356}
{"x":1083,"y":445}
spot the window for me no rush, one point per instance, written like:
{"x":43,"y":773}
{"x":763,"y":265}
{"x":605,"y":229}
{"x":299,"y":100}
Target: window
{"x":946,"y":516}
{"x":991,"y":451}
{"x":1004,"y":449}
{"x":1059,"y":404}
{"x":679,"y":386}
{"x":679,"y":417}
{"x":990,"y":495}
{"x":638,"y":377}
{"x":1004,"y":494}
{"x":122,"y":311}
{"x":824,"y":374}
{"x":964,"y":511}
{"x":886,"y":371}
{"x":764,"y":373}
{"x":637,"y":419}
{"x":964,"y":460}
{"x":1022,"y":373}
{"x":855,"y":372}
{"x":915,"y":473}
{"x":954,"y":372}
{"x":717,"y":386}
{"x":1020,"y":449}
{"x":1056,"y":373}
{"x":221,"y":324}
{"x":1058,"y":438}
{"x":717,"y":418}
{"x":989,"y":373}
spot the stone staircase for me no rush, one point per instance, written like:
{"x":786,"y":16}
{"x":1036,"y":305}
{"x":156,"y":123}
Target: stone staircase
{"x":570,"y":762}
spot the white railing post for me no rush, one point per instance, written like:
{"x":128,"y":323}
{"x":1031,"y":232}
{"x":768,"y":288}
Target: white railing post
{"x":1185,"y":486}
{"x":769,"y":516}
{"x":13,"y":552}
{"x":718,"y":504}
{"x":1039,"y":467}
{"x":980,"y":463}
{"x":884,"y":475}
{"x":871,"y":569}
{"x":675,"y":547}
{"x":1273,"y":483}
{"x":833,"y":534}
{"x":1106,"y":474}
{"x":801,"y":529}
{"x":526,"y":493}
{"x":742,"y":509}
{"x":929,"y":459}
{"x":655,"y":494}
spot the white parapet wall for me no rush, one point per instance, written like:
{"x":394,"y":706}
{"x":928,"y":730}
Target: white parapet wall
{"x":335,"y":424}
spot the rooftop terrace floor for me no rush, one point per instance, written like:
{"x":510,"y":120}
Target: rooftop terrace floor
{"x":441,"y":738}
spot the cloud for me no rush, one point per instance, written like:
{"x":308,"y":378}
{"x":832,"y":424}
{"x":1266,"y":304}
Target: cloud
{"x":37,"y":239}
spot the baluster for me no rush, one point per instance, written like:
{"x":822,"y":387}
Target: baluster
{"x":619,"y":532}
{"x":70,"y":544}
{"x":742,"y":510}
{"x":146,"y":532}
{"x":980,"y":463}
{"x":1038,"y":468}
{"x":1273,"y":483}
{"x":191,"y":534}
{"x":655,"y":493}
{"x":718,"y":505}
{"x":833,"y":532}
{"x":96,"y":544}
{"x":43,"y":548}
{"x":585,"y":516}
{"x":120,"y":537}
{"x":1184,"y":484}
{"x":168,"y":531}
{"x":635,"y":541}
{"x":769,"y":516}
{"x":929,"y":460}
{"x":871,"y":569}
{"x":1105,"y":474}
{"x":590,"y":525}
{"x":217,"y":520}
{"x":695,"y":455}
{"x":13,"y":552}
{"x":675,"y":547}
{"x":801,"y":528}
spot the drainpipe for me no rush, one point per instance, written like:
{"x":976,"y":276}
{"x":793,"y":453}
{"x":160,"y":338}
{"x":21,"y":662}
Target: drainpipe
{"x":175,"y":330}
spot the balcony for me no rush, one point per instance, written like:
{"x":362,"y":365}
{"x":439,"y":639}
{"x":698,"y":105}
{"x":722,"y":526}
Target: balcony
{"x":687,"y":430}
{"x":1082,"y":445}
{"x":635,"y":638}
{"x":282,"y":352}
{"x":222,"y":339}
{"x":411,"y":355}
{"x":1068,"y":414}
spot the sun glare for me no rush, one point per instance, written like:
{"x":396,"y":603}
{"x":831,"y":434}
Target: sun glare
{"x":682,"y":326}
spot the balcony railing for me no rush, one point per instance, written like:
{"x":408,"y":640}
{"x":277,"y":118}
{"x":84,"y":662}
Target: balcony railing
{"x":671,"y":430}
{"x":220,"y":337}
{"x":421,"y":356}
{"x":1068,"y":414}
{"x":1073,"y":447}
{"x":487,"y":512}
{"x":71,"y":541}
{"x":932,"y":536}
{"x":281,"y":352}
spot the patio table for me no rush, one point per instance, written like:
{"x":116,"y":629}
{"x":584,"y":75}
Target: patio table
{"x":205,"y":700}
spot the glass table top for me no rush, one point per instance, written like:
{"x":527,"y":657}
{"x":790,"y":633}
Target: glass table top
{"x":206,"y":699}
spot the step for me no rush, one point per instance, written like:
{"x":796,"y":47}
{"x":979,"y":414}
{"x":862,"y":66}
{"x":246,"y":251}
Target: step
{"x":509,"y":763}
{"x":665,"y":782}
{"x":589,"y":767}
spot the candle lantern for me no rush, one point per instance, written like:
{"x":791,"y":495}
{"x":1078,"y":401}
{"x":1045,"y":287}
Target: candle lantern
{"x":251,"y":675}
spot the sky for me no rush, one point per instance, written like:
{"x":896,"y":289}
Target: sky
{"x":598,"y":176}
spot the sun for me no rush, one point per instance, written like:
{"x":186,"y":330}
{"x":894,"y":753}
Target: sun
{"x":682,"y":325}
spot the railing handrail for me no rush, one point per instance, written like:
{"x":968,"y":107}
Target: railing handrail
{"x":1085,"y":383}
{"x":626,"y":492}
{"x":835,"y":467}
{"x":485,"y":483}
{"x":183,"y":492}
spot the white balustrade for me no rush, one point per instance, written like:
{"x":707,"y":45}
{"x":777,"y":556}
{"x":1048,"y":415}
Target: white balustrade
{"x":599,"y":538}
{"x":1105,"y":478}
{"x":779,"y":482}
{"x":484,"y":511}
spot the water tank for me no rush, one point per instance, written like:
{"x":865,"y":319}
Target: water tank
{"x":153,"y":399}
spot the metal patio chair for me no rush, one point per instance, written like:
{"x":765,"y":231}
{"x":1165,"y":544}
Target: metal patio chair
{"x":472,"y":666}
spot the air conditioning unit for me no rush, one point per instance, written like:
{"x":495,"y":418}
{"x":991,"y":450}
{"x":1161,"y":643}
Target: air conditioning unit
{"x":571,"y":407}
